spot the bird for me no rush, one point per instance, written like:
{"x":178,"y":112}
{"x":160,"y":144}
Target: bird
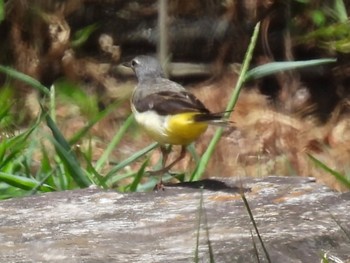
{"x":166,"y":111}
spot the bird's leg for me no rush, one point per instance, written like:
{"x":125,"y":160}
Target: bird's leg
{"x":165,"y":153}
{"x":179,"y":158}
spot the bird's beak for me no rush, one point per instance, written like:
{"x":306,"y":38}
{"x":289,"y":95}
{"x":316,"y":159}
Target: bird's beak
{"x":126,"y":64}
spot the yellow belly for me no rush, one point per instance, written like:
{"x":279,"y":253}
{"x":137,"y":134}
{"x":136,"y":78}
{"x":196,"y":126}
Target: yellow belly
{"x":181,"y":128}
{"x":177,"y":130}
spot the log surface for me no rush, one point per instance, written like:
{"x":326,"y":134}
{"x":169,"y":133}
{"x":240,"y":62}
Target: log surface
{"x":298,"y":219}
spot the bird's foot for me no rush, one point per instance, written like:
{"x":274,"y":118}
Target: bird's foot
{"x":159,"y":186}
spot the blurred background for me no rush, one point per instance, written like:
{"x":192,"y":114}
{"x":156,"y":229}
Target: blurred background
{"x":76,"y":47}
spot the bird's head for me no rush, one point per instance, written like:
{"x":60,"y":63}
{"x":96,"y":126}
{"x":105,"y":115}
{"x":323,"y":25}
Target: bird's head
{"x":146,"y":67}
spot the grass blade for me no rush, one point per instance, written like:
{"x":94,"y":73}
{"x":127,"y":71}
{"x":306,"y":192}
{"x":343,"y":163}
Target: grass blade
{"x":7,"y":191}
{"x":340,"y":10}
{"x":52,"y":109}
{"x":2,"y":10}
{"x":129,"y":160}
{"x":62,"y":180}
{"x":138,"y":177}
{"x":340,"y":177}
{"x":24,"y":182}
{"x":192,"y":150}
{"x":71,"y":164}
{"x":210,"y":247}
{"x":199,"y":221}
{"x":41,"y":182}
{"x":91,"y":170}
{"x":254,"y":247}
{"x":246,"y":204}
{"x":200,"y":168}
{"x":15,"y":144}
{"x":25,"y":78}
{"x":115,"y":141}
{"x":82,"y":35}
{"x":57,"y":133}
{"x":276,"y":67}
{"x":112,"y":182}
{"x":99,"y":116}
{"x":66,"y":155}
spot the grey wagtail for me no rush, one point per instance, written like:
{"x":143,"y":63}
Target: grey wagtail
{"x":166,"y":111}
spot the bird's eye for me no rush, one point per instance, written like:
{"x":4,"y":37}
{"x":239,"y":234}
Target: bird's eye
{"x":134,"y":63}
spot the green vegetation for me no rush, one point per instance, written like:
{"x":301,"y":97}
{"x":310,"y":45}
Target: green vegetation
{"x":332,"y":28}
{"x":63,"y":167}
{"x":40,"y":158}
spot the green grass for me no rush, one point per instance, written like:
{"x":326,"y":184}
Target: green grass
{"x":331,"y":28}
{"x":60,"y":166}
{"x":343,"y":179}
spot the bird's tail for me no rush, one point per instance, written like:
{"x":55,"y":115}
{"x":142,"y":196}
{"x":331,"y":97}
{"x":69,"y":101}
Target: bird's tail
{"x":218,"y":119}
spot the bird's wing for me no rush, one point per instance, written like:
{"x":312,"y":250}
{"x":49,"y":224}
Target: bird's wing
{"x":169,"y":102}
